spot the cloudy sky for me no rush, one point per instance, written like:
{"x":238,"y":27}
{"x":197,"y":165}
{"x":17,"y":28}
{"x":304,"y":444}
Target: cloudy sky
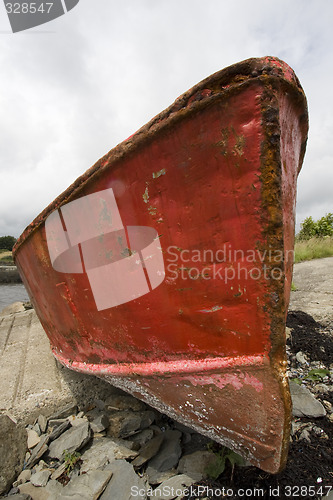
{"x":72,"y":89}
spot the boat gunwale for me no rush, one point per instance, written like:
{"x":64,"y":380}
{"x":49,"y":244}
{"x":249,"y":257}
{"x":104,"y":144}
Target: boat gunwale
{"x":264,"y":70}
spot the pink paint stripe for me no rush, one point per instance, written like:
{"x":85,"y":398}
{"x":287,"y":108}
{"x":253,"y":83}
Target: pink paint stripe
{"x":163,"y":367}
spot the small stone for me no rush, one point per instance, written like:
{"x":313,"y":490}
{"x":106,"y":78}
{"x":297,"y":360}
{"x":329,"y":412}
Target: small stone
{"x":321,"y":388}
{"x":59,"y":429}
{"x":183,"y":428}
{"x":100,"y":423}
{"x":37,"y":429}
{"x":33,"y":438}
{"x":38,"y":451}
{"x":327,"y":405}
{"x":171,"y":488}
{"x":100,"y":405}
{"x":59,"y":471}
{"x":13,"y":491}
{"x":76,"y":421}
{"x":124,"y":402}
{"x":304,"y":403}
{"x":126,"y":443}
{"x":143,"y":437}
{"x":125,"y":423}
{"x":55,"y":422}
{"x":71,"y":440}
{"x":157,"y":477}
{"x":19,"y":496}
{"x":103,"y":451}
{"x":305,"y":434}
{"x":301,"y":358}
{"x":42,"y":422}
{"x":40,"y":466}
{"x":40,"y":478}
{"x":148,"y":451}
{"x":195,"y":464}
{"x":65,"y":412}
{"x":87,"y":486}
{"x":51,"y":491}
{"x":169,"y":453}
{"x":125,"y":484}
{"x":24,"y":476}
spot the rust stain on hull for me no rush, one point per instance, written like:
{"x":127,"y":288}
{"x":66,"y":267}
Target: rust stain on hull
{"x":214,"y":176}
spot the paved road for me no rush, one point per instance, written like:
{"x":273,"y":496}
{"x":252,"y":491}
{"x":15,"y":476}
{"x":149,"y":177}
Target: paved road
{"x":32,"y":382}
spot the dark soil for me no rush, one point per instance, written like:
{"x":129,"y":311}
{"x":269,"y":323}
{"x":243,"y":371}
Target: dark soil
{"x":309,"y":470}
{"x":310,"y":337}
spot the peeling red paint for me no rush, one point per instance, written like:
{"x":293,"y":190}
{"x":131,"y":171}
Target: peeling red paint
{"x":214,"y":172}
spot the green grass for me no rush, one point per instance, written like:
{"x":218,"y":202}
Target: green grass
{"x":6,"y":257}
{"x":315,"y":248}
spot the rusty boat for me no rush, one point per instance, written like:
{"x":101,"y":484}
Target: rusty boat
{"x":166,"y":268}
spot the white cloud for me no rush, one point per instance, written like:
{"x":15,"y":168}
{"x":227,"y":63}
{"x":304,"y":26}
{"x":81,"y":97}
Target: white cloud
{"x":97,"y":74}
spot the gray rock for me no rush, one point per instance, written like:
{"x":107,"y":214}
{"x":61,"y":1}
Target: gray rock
{"x":23,"y":477}
{"x":183,"y":428}
{"x":143,"y":437}
{"x":42,"y":422}
{"x":66,"y":411}
{"x":37,"y":428}
{"x":172,"y":487}
{"x":125,"y":484}
{"x":59,"y":429}
{"x":124,"y":402}
{"x":301,"y":358}
{"x":72,"y":440}
{"x":103,"y":451}
{"x":13,"y":446}
{"x":20,"y":496}
{"x":76,"y":421}
{"x":38,"y":451}
{"x":305,"y":434}
{"x":48,"y":492}
{"x":195,"y":464}
{"x":40,"y":478}
{"x":304,"y":403}
{"x":125,"y":423}
{"x":100,"y":423}
{"x":156,"y":477}
{"x":169,"y":453}
{"x":59,"y":471}
{"x":322,"y":388}
{"x":148,"y":451}
{"x":87,"y":486}
{"x":33,"y":438}
{"x":100,"y":405}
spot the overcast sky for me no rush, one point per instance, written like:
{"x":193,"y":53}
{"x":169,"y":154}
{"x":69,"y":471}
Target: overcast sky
{"x":72,"y":89}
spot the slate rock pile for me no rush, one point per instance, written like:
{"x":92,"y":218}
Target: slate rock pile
{"x":114,"y":449}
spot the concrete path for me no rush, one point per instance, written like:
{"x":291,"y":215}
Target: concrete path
{"x":32,"y":382}
{"x":313,"y":280}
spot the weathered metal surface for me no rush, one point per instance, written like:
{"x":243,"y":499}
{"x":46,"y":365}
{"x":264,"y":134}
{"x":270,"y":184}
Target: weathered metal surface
{"x":166,"y":267}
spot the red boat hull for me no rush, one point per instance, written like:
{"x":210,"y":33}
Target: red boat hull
{"x":196,"y":327}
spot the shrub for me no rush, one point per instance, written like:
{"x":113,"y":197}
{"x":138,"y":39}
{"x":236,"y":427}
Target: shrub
{"x":7,"y":242}
{"x":319,"y":229}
